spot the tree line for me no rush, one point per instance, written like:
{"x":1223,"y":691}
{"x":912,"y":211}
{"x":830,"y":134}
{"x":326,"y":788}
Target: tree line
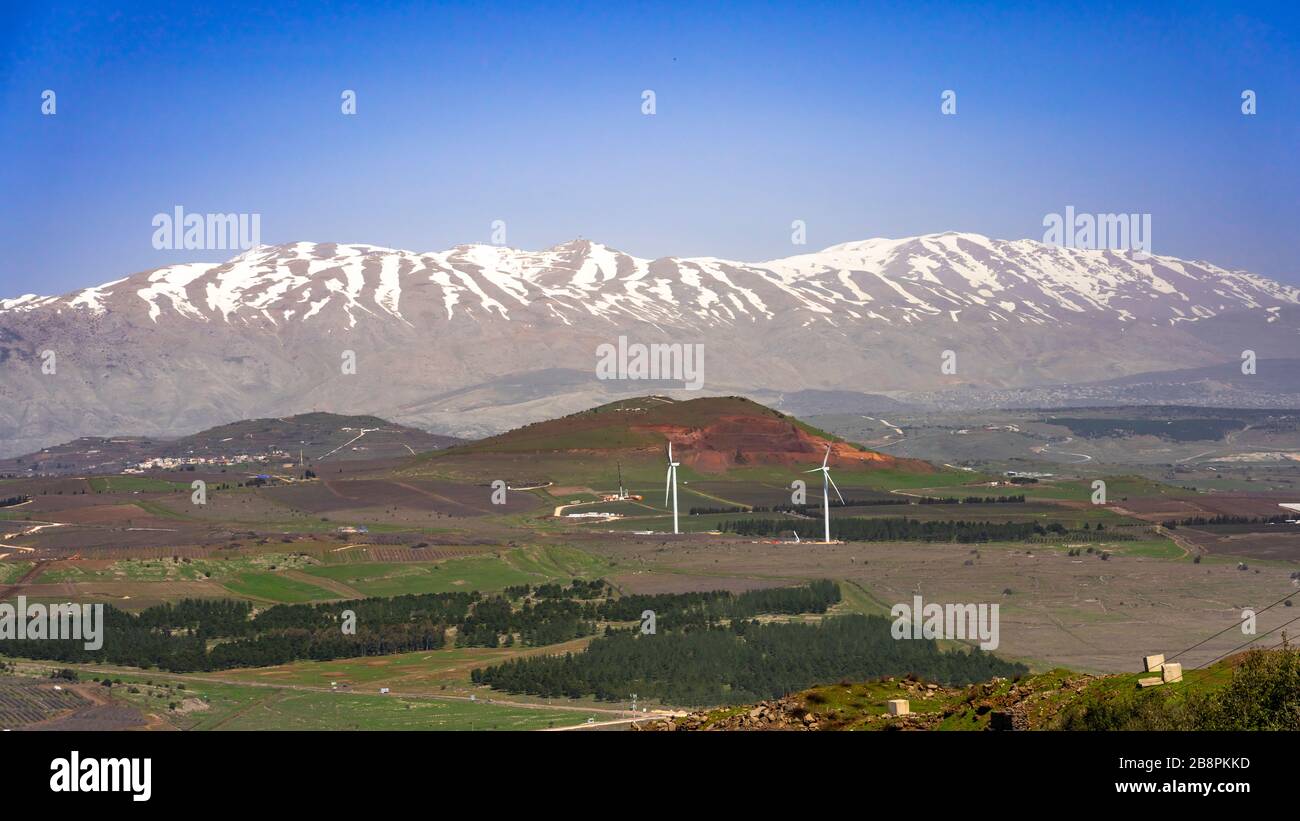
{"x":903,"y":529}
{"x":680,"y":610}
{"x":199,"y":635}
{"x":1225,"y":519}
{"x":203,"y":634}
{"x":738,"y":663}
{"x":809,"y":509}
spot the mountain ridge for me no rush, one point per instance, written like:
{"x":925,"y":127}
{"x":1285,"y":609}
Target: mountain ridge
{"x":480,"y":338}
{"x":504,"y":279}
{"x":309,"y":437}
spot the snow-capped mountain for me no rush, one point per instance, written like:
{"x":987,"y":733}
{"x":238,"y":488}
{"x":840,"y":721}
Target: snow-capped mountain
{"x":889,"y":281}
{"x":511,"y":335}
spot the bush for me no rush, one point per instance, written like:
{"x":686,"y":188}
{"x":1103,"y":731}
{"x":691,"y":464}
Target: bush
{"x":1264,"y":694}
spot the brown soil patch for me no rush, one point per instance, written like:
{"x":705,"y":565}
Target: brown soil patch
{"x":735,"y":441}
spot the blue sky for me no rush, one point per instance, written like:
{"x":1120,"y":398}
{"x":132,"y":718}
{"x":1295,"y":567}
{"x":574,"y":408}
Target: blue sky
{"x":530,"y":113}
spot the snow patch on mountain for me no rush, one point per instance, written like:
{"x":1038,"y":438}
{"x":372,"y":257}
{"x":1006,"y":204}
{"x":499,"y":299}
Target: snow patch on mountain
{"x":909,"y":280}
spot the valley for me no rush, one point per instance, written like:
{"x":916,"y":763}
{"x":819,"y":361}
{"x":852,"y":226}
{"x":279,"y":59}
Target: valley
{"x":1084,"y":586}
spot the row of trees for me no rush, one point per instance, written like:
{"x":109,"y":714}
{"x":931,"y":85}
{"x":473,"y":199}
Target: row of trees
{"x":809,"y":509}
{"x":1225,"y":519}
{"x":679,"y":610}
{"x":803,"y":509}
{"x":743,"y":662}
{"x":903,"y":529}
{"x":194,"y":635}
{"x":577,"y":589}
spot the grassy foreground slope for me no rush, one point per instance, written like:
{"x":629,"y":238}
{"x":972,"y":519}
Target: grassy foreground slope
{"x":1255,"y":690}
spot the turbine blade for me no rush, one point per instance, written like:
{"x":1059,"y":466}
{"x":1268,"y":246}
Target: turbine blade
{"x":828,"y":456}
{"x":814,"y":470}
{"x":837,"y":490}
{"x":668,"y":481}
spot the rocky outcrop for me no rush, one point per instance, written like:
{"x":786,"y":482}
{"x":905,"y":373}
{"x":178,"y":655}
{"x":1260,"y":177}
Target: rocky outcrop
{"x":999,"y":704}
{"x":783,"y":714}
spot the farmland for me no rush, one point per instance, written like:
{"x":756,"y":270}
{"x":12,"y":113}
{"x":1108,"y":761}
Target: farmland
{"x":22,"y":704}
{"x":1094,"y":587}
{"x":191,"y":703}
{"x":486,"y":573}
{"x":290,"y":710}
{"x":12,"y":571}
{"x":244,"y":707}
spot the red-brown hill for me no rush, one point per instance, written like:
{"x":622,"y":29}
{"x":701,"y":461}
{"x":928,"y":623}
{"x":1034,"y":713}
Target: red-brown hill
{"x":709,"y":435}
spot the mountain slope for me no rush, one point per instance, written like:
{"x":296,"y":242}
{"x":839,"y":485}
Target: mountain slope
{"x":890,"y":281}
{"x":479,"y":338}
{"x":311,"y":436}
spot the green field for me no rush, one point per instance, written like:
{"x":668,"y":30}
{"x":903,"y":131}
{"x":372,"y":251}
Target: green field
{"x":401,"y":578}
{"x":1078,"y":490}
{"x":205,"y":705}
{"x":277,"y":588}
{"x":161,"y":570}
{"x":856,"y":599}
{"x":291,"y":710}
{"x":487,"y":573}
{"x":418,"y":672}
{"x":12,"y":571}
{"x":262,"y":577}
{"x":134,"y":484}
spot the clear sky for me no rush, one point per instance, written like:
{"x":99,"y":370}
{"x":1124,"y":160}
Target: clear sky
{"x":531,"y":114}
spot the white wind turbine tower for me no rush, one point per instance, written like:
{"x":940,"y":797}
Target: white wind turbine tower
{"x":827,"y":483}
{"x":672,"y":483}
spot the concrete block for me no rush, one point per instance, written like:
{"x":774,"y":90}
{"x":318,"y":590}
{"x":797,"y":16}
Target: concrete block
{"x":899,"y":706}
{"x":1171,"y":671}
{"x":1152,"y":663}
{"x":1149,"y":682}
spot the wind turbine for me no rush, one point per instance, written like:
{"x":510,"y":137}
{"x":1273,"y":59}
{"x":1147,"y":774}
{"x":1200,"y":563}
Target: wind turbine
{"x":827,"y":483}
{"x":672,"y":482}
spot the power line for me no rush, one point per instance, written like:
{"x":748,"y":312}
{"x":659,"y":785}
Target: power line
{"x":1247,"y":644}
{"x":1231,"y":627}
{"x":1204,"y":668}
